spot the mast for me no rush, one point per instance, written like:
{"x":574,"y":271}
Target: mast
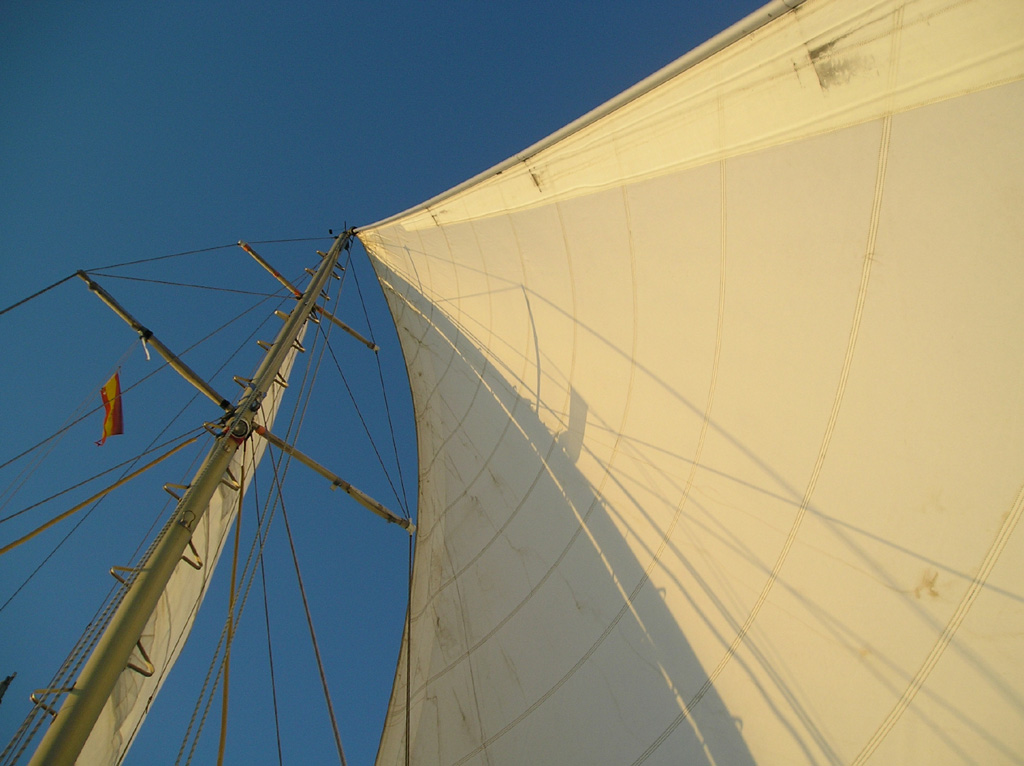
{"x":64,"y":740}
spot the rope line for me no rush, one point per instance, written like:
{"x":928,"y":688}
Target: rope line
{"x":231,"y":614}
{"x":214,"y":288}
{"x":278,"y":484}
{"x":203,"y":250}
{"x":278,"y":481}
{"x":266,"y":620}
{"x":102,"y":493}
{"x":12,"y":489}
{"x":96,"y":476}
{"x":162,"y":257}
{"x":362,"y":303}
{"x":394,"y":440}
{"x":37,"y":294}
{"x":143,"y":379}
{"x":312,"y":636}
{"x":408,"y":661}
{"x":366,"y":428}
{"x":156,"y":258}
{"x":387,"y":405}
{"x":302,"y":399}
{"x":248,"y":576}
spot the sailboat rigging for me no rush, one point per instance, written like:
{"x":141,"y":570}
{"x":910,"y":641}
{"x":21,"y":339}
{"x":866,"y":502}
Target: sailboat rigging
{"x":110,"y":661}
{"x":718,"y":412}
{"x":244,"y":427}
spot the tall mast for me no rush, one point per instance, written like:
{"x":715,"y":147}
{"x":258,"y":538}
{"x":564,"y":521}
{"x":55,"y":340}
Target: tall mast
{"x":64,"y":740}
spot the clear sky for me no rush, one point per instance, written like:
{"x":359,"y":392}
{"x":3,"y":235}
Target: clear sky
{"x":135,"y":130}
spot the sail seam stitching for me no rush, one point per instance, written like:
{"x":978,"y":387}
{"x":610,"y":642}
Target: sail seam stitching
{"x":995,"y":550}
{"x":719,"y":334}
{"x":830,"y":425}
{"x":457,"y":323}
{"x":631,"y":598}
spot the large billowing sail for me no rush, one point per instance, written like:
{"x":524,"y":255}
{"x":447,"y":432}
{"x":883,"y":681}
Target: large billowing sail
{"x":167,"y":630}
{"x":720,"y":408}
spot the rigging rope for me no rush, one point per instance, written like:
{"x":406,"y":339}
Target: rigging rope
{"x":260,"y":540}
{"x":387,"y":406}
{"x":214,"y":664}
{"x":408,"y":660}
{"x":37,"y":294}
{"x":312,"y":635}
{"x":248,"y":575}
{"x":76,"y":658}
{"x":291,"y":543}
{"x":266,"y":619}
{"x":405,"y":498}
{"x":369,"y":435}
{"x":203,"y":250}
{"x":102,"y":493}
{"x":401,"y":497}
{"x":16,"y":484}
{"x":155,"y":258}
{"x":80,"y":419}
{"x":143,"y":379}
{"x":113,"y":468}
{"x":302,"y":398}
{"x":394,"y":442}
{"x":214,"y":288}
{"x":231,"y":612}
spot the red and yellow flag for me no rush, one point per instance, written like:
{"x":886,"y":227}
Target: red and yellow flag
{"x":113,"y":422}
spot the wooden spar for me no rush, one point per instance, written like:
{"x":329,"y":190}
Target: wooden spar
{"x":336,"y":481}
{"x":148,"y":337}
{"x":329,"y":316}
{"x":274,"y":272}
{"x":319,"y":309}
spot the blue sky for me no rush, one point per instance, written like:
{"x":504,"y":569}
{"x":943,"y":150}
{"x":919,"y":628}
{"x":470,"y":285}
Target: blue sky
{"x":135,"y":130}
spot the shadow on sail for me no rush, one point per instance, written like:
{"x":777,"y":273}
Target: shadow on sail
{"x":531,"y":615}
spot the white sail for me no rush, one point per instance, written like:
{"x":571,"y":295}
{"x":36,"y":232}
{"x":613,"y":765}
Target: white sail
{"x":167,"y":630}
{"x":720,"y":413}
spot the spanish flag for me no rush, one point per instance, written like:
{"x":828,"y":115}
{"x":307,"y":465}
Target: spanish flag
{"x":113,"y":422}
